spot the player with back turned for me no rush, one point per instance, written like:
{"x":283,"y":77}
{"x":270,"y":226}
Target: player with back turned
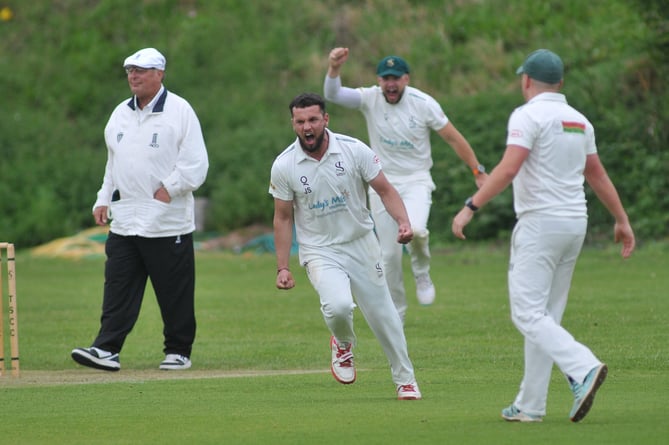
{"x":550,"y":152}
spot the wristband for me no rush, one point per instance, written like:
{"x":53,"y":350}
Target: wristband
{"x":280,"y":269}
{"x":478,"y":170}
{"x":469,"y":203}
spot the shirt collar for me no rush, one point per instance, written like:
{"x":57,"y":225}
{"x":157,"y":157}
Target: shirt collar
{"x":156,"y":105}
{"x":333,"y":147}
{"x":548,"y":96}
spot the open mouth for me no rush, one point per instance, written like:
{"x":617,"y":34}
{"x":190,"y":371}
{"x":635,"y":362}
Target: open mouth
{"x":309,"y":137}
{"x":392,"y":94}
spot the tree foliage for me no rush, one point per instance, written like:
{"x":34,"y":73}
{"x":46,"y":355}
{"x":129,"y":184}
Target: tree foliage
{"x":239,"y":63}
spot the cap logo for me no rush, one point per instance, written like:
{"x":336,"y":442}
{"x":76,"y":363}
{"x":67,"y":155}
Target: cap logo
{"x":392,"y":66}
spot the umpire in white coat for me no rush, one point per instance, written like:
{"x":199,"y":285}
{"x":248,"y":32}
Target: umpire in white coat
{"x":156,"y":159}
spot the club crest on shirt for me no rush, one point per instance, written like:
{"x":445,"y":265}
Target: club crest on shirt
{"x":119,"y":136}
{"x":154,"y":141}
{"x":339,"y":169}
{"x":305,"y":183}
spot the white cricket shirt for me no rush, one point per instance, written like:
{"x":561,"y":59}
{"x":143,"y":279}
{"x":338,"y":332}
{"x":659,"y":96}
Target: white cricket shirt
{"x":329,"y":196}
{"x":400,"y":133}
{"x":559,"y":138}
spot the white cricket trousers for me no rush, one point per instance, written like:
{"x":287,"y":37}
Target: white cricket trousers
{"x":417,"y":197}
{"x":338,"y":272}
{"x":543,"y":256}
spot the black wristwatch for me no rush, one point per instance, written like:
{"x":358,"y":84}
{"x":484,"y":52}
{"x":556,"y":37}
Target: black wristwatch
{"x":469,"y":203}
{"x":478,"y":170}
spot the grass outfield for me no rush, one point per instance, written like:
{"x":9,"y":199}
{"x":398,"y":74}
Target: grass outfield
{"x":261,"y":361}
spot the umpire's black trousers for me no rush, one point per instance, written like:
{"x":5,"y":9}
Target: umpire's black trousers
{"x":170,"y":264}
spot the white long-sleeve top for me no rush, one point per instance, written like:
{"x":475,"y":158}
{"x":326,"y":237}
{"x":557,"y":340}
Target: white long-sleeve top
{"x":160,"y":145}
{"x":398,"y":133}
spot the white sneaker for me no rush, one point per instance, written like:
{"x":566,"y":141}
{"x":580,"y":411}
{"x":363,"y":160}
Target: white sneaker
{"x":408,"y":392}
{"x":425,"y":290}
{"x":96,"y":358}
{"x":343,"y":368}
{"x":175,"y":362}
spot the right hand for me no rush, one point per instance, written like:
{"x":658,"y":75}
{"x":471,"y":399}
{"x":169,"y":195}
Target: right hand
{"x":463,"y":218}
{"x":285,"y":280}
{"x":337,"y":57}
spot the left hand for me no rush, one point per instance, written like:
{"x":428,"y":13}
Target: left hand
{"x":460,"y":221}
{"x":404,"y":234}
{"x":480,"y":179}
{"x":622,"y":233}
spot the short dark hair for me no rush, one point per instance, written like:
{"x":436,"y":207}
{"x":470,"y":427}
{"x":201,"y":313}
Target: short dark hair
{"x":305,"y":100}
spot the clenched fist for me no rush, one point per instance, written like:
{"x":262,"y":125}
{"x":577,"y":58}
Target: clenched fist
{"x":337,"y":57}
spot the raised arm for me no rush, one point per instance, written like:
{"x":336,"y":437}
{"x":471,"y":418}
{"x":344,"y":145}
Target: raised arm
{"x":332,"y":87}
{"x":336,"y":59}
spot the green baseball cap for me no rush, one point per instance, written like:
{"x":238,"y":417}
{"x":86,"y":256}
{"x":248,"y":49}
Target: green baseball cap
{"x":392,"y":66}
{"x":543,"y":65}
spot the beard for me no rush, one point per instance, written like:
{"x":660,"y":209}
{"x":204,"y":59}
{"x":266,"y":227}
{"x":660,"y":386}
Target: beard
{"x":318,"y":142}
{"x":393,"y":93}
